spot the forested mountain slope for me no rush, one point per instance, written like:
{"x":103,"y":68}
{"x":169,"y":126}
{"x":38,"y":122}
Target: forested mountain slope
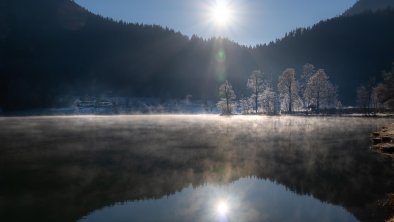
{"x":369,"y":5}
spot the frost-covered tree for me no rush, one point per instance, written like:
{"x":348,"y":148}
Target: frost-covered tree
{"x":320,"y":91}
{"x":267,"y":99}
{"x":363,"y":97}
{"x":287,"y":87}
{"x":366,"y":95}
{"x":375,"y":103}
{"x":339,"y":107}
{"x":385,"y":90}
{"x":246,"y":105}
{"x":307,"y":72}
{"x":227,"y":97}
{"x":256,"y":85}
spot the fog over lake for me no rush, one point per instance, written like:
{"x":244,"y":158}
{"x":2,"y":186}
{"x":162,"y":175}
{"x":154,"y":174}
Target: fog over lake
{"x":172,"y":167}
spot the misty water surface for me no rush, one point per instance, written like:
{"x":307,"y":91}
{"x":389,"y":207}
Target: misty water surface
{"x":75,"y":168}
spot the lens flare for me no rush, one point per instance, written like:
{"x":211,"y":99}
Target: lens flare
{"x":220,"y":56}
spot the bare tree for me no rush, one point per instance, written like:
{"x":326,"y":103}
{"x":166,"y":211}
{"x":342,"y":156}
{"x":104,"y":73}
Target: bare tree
{"x":287,"y":87}
{"x":227,"y":96}
{"x":267,"y":99}
{"x":363,"y":97}
{"x":320,"y":91}
{"x":339,"y":107}
{"x":375,"y":103}
{"x":256,"y":85}
{"x":307,"y":72}
{"x":246,"y":105}
{"x":331,"y":98}
{"x":385,"y":90}
{"x":370,"y":86}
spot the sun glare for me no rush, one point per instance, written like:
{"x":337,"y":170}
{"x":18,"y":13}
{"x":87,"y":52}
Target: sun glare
{"x":221,"y":13}
{"x":222,"y":208}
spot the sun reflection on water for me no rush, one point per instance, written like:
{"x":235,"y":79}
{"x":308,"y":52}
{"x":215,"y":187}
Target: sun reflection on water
{"x":222,"y":207}
{"x":222,"y":210}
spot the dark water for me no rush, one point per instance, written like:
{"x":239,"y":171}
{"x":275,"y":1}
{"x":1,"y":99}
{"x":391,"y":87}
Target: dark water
{"x":192,"y":168}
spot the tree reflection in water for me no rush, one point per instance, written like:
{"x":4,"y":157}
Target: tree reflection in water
{"x":63,"y":168}
{"x":247,"y":199}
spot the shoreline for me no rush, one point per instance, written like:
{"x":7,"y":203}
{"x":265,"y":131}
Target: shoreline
{"x":383,"y":143}
{"x":355,"y":115}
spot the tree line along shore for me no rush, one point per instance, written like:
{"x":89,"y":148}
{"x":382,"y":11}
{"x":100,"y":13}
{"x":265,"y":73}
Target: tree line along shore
{"x":313,"y":91}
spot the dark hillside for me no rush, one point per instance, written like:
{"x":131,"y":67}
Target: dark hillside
{"x":369,"y":5}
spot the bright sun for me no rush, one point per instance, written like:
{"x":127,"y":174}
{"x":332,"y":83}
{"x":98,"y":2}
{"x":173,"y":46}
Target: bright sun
{"x":221,"y":13}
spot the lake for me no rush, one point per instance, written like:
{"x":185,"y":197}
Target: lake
{"x":192,"y":168}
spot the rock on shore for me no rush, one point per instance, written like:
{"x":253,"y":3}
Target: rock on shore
{"x":383,"y":141}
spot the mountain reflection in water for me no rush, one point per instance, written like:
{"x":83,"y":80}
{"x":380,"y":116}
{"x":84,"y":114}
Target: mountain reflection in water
{"x":248,"y":199}
{"x":65,"y":168}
